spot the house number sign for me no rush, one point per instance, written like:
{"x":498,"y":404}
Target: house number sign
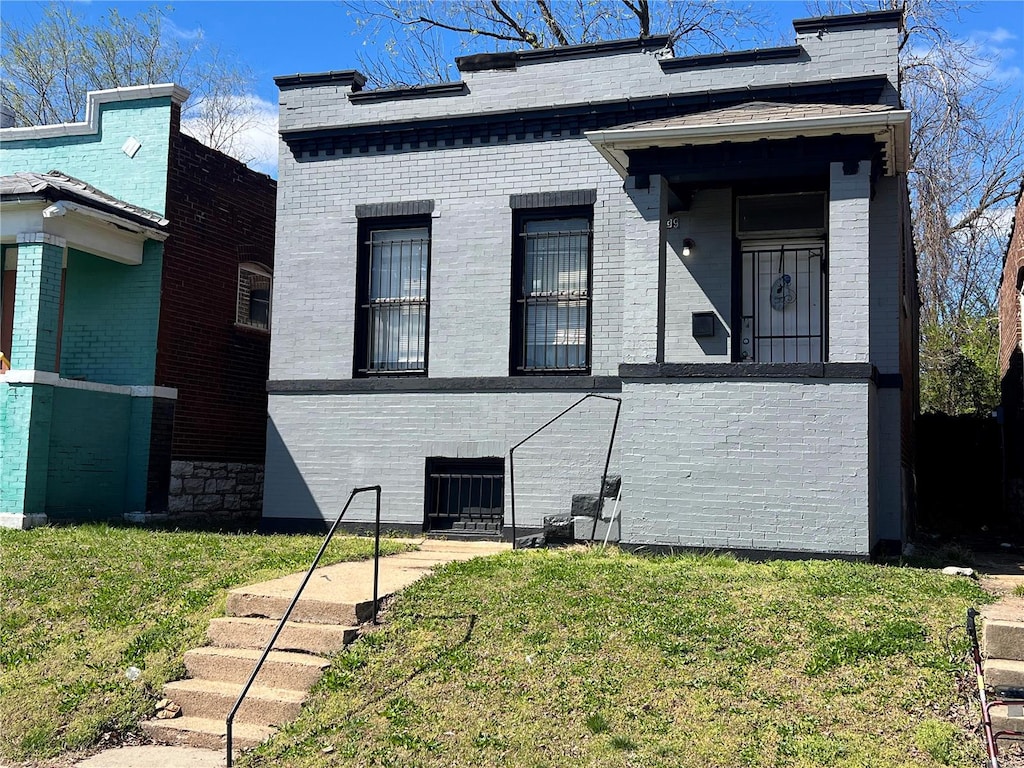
{"x":672,"y":222}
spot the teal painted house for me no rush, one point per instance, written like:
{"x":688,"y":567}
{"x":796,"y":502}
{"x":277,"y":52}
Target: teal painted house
{"x":134,"y":308}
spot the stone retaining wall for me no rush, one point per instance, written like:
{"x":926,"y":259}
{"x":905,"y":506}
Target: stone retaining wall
{"x":216,"y":488}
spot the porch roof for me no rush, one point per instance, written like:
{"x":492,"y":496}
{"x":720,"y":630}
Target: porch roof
{"x":759,"y":120}
{"x":78,"y":213}
{"x":56,"y":186}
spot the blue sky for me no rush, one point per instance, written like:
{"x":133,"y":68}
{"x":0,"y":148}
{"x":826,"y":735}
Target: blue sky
{"x":276,"y":37}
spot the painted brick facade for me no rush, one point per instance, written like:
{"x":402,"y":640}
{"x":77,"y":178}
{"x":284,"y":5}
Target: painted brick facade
{"x":712,"y":452}
{"x":152,"y":366}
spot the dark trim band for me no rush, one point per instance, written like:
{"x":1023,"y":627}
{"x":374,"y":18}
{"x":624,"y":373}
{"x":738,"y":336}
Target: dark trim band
{"x":848,"y":21}
{"x":889,"y":381}
{"x":510,"y":59}
{"x":470,"y":384}
{"x":350,"y":77}
{"x":385,"y":210}
{"x":790,"y":52}
{"x":414,"y":92}
{"x":861,"y":371}
{"x":553,"y":199}
{"x":560,"y":122}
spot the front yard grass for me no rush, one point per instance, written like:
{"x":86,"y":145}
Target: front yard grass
{"x":593,"y":658}
{"x":81,"y":605}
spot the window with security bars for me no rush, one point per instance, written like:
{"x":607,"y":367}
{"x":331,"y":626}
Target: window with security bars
{"x":253,"y":303}
{"x":551,"y":310}
{"x":465,"y":496}
{"x":393,"y":302}
{"x":783,"y":299}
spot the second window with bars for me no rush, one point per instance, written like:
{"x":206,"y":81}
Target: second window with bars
{"x":551,"y":301}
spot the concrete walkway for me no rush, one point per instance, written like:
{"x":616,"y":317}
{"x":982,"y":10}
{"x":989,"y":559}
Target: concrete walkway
{"x":336,"y":595}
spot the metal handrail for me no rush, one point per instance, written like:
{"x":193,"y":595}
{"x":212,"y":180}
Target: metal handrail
{"x":316,"y":560}
{"x":607,"y":461}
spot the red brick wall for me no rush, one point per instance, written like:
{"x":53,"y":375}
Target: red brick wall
{"x":221,"y":214}
{"x":1011,"y":371}
{"x":1009,"y":305}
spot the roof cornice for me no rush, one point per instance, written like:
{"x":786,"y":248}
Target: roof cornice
{"x":350,"y":77}
{"x":848,"y":21}
{"x":93,"y":101}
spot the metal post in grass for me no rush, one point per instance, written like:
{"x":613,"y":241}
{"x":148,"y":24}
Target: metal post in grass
{"x":229,"y":721}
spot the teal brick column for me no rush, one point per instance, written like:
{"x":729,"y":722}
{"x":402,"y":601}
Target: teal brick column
{"x":25,"y":417}
{"x":26,"y":406}
{"x":37,"y":302}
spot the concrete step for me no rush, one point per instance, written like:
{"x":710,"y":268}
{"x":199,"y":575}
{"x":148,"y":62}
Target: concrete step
{"x":206,"y":734}
{"x":213,"y":699}
{"x":1008,"y":717}
{"x":309,"y":610}
{"x":1003,"y":675}
{"x":1003,"y":639}
{"x":320,"y":639}
{"x":283,"y":669}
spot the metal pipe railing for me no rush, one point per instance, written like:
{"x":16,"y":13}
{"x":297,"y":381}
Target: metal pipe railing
{"x":607,"y":462}
{"x":229,"y":721}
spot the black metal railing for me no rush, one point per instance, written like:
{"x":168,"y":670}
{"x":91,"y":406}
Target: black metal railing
{"x":607,"y":461}
{"x":229,"y":721}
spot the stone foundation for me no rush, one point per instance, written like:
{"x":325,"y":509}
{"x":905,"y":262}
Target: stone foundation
{"x":216,"y":489}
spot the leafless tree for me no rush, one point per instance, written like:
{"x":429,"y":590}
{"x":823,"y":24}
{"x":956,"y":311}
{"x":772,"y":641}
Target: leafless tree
{"x":47,"y":68}
{"x":415,"y":41}
{"x":967,"y":158}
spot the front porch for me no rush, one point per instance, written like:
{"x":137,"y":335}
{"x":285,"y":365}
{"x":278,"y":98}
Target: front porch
{"x":85,"y":434}
{"x":766,"y":304}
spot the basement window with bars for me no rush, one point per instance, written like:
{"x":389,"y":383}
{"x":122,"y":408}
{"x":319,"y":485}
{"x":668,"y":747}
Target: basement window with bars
{"x":465,"y":496}
{"x":253,"y":302}
{"x":392,"y":300}
{"x":551,"y":274}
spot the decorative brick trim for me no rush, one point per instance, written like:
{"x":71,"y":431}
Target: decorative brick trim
{"x":386,"y":210}
{"x":553,"y":199}
{"x":561,"y":121}
{"x":41,"y":237}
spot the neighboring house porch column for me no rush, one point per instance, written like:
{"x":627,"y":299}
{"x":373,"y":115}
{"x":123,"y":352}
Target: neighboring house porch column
{"x":26,"y":408}
{"x":643,"y":307}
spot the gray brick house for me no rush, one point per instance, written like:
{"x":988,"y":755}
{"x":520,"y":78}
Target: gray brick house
{"x":720,"y":241}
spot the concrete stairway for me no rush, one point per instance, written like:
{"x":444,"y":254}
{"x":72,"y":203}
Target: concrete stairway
{"x":1003,"y":648}
{"x":337,"y":599}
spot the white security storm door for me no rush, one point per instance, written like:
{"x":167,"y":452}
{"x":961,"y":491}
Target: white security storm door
{"x":783,"y":302}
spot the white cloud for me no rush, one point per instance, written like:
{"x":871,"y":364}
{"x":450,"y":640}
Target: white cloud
{"x":180,"y":32}
{"x":993,"y":48}
{"x":255,"y":142}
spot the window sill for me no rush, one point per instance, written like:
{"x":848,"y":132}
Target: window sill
{"x":252,"y":329}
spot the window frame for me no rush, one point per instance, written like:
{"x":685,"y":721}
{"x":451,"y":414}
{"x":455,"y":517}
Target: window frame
{"x":517,"y":350}
{"x":361,"y":347}
{"x":261,"y":270}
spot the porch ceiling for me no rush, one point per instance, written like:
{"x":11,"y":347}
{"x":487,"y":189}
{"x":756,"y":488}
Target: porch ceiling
{"x":756,"y":121}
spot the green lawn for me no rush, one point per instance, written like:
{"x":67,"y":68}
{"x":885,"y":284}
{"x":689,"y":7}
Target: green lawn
{"x":584,"y":658}
{"x":83,"y":604}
